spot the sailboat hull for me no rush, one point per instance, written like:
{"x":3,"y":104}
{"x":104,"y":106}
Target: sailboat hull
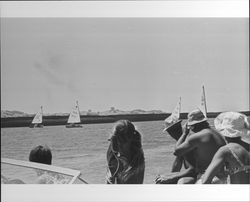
{"x":73,"y":126}
{"x":39,"y":125}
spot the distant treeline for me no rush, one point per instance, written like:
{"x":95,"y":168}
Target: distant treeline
{"x":91,"y":119}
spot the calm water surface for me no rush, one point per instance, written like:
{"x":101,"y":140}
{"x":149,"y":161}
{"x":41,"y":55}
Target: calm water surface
{"x":85,"y":148}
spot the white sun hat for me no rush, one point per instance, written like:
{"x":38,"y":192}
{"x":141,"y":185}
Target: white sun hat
{"x":233,"y":124}
{"x":195,"y":116}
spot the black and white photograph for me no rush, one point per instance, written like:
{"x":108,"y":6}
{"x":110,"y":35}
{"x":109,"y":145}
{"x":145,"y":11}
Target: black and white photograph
{"x":118,"y":100}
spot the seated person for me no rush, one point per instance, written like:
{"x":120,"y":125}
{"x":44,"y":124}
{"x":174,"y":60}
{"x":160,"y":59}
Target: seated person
{"x":175,"y":130}
{"x":125,"y":156}
{"x":42,"y":154}
{"x":188,"y":161}
{"x":200,"y":143}
{"x":234,"y":157}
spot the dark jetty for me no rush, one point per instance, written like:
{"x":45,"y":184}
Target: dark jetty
{"x":91,"y":119}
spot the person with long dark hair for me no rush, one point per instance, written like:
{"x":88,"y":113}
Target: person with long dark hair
{"x":125,"y":157}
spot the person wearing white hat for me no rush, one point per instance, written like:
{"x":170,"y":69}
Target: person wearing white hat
{"x":198,"y":141}
{"x":234,"y":157}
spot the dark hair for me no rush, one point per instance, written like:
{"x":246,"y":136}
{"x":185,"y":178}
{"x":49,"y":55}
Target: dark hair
{"x":41,"y":154}
{"x":124,"y":131}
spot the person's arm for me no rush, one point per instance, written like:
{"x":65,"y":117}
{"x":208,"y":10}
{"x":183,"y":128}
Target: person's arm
{"x":173,"y":179}
{"x":177,"y":164}
{"x":190,"y":143}
{"x":133,"y":175}
{"x":184,"y":148}
{"x":183,"y":136}
{"x":215,"y":166}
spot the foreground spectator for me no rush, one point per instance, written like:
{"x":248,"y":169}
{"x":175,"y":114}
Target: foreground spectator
{"x":125,"y":156}
{"x":201,"y":142}
{"x":41,"y":154}
{"x":234,"y":157}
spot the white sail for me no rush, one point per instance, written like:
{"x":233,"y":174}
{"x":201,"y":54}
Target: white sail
{"x":38,"y":117}
{"x":203,"y":105}
{"x":174,"y":117}
{"x":74,"y":116}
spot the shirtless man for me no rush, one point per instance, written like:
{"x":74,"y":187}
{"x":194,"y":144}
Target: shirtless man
{"x":187,"y":161}
{"x":235,"y":156}
{"x":199,"y":140}
{"x":236,"y":160}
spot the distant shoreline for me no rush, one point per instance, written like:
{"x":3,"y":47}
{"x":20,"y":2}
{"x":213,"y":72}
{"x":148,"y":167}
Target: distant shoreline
{"x":94,"y":119}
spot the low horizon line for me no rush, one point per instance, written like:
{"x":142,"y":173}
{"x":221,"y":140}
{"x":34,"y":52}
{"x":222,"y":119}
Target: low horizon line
{"x":92,"y":111}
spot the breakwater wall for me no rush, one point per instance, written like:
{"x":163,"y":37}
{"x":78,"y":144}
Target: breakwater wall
{"x":85,"y":119}
{"x":92,"y":119}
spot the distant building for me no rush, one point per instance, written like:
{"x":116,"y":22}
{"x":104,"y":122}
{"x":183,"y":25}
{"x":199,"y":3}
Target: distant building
{"x":90,"y":112}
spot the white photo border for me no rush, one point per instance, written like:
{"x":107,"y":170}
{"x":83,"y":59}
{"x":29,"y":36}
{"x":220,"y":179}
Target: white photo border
{"x":150,"y":9}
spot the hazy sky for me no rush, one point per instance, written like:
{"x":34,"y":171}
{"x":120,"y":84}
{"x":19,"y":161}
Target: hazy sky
{"x":127,"y":63}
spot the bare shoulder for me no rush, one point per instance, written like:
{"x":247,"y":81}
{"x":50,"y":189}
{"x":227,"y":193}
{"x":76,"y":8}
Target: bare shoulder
{"x":224,"y":150}
{"x":233,"y":147}
{"x":201,"y":134}
{"x":236,"y":147}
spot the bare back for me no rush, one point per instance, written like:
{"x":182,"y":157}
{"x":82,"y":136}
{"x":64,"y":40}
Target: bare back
{"x":205,"y":143}
{"x":234,"y":160}
{"x":237,"y":157}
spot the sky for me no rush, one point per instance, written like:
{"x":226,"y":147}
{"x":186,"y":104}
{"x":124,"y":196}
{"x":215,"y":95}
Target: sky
{"x":126,"y":63}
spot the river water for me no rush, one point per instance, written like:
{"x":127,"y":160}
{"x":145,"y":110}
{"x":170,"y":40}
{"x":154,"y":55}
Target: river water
{"x":85,"y":148}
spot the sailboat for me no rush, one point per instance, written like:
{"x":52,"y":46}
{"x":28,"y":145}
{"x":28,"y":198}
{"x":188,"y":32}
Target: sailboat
{"x":37,"y":121}
{"x":203,"y":105}
{"x":74,"y":119}
{"x":173,"y":122}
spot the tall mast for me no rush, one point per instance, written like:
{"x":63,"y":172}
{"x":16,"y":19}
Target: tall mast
{"x":77,"y":106}
{"x":42,"y":113}
{"x":180,"y":104}
{"x":205,"y":104}
{"x":78,"y":109}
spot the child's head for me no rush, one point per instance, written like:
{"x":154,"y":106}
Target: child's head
{"x":41,"y":154}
